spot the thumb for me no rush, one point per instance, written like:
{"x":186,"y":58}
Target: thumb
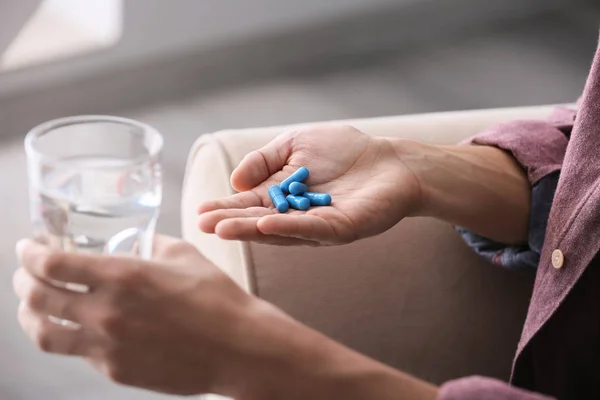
{"x":257,"y":166}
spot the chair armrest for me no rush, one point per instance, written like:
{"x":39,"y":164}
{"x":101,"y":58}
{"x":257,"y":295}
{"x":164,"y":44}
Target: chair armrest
{"x":415,"y":297}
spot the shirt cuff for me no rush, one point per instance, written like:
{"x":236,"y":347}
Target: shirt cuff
{"x":539,"y":146}
{"x":480,"y":388}
{"x":525,"y":256}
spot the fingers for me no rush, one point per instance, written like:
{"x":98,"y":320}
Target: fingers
{"x":51,"y":337}
{"x":259,"y":165}
{"x":49,"y":265}
{"x":238,"y":229}
{"x":239,"y":200}
{"x":44,"y":298}
{"x":305,"y":226}
{"x":209,"y":221}
{"x":245,"y":229}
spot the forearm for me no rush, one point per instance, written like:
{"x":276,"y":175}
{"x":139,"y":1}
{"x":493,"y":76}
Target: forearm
{"x":480,"y":188}
{"x":284,"y":359}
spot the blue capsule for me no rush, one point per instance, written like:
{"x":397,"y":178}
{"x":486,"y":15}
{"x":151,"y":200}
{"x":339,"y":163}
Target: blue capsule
{"x":298,"y":202}
{"x":278,"y":199}
{"x":298,"y":188}
{"x":299,"y":176}
{"x":318,"y":199}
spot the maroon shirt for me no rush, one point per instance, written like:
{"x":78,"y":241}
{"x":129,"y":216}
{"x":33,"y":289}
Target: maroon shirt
{"x":559,"y":351}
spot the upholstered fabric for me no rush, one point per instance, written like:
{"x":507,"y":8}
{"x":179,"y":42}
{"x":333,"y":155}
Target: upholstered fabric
{"x":416,"y":297}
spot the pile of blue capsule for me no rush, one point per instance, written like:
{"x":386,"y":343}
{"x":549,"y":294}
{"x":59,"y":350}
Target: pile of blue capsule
{"x":292,"y":192}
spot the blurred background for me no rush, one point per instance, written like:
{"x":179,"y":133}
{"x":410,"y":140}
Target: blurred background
{"x":190,"y":67}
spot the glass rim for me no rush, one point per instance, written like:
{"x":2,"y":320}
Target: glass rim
{"x":46,"y":127}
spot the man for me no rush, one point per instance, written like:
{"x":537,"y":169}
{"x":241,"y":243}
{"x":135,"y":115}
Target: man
{"x":176,"y":324}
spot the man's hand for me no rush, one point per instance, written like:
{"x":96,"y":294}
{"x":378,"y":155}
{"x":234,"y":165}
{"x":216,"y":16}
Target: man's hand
{"x":165,"y":325}
{"x":371,"y":189}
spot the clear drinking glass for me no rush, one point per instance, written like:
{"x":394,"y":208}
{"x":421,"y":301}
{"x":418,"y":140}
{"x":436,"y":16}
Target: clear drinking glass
{"x":95,"y":184}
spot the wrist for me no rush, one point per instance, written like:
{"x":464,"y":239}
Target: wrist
{"x":413,"y":156}
{"x":276,"y":357}
{"x":461,"y":184}
{"x":282,"y":358}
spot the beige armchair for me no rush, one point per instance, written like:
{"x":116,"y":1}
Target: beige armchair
{"x":415,"y":297}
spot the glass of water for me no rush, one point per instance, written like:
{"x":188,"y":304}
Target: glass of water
{"x":95,"y":184}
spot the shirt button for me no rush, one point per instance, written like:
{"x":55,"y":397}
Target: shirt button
{"x":558,"y":259}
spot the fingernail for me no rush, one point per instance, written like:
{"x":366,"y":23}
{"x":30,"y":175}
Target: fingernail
{"x":20,"y":247}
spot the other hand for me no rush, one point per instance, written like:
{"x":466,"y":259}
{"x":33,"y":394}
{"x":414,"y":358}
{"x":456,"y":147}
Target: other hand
{"x":168,"y":325}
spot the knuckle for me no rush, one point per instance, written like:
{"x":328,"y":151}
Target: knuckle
{"x":42,"y":340}
{"x":176,"y":249}
{"x":128,"y":276}
{"x":113,"y":366}
{"x":342,"y":127}
{"x":347,"y":127}
{"x":114,"y":325}
{"x":117,"y":374}
{"x":51,"y":265}
{"x":111,"y":355}
{"x":36,"y":297}
{"x":292,"y":137}
{"x":22,"y":314}
{"x":288,"y":135}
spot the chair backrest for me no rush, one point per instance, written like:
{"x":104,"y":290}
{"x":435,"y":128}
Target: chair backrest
{"x":416,"y":298}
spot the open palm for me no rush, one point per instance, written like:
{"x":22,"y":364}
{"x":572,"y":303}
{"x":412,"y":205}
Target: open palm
{"x":371,"y":190}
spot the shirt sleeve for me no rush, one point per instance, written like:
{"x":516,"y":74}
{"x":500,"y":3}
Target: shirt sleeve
{"x":526,"y":256}
{"x":539,"y":146}
{"x":480,"y":388}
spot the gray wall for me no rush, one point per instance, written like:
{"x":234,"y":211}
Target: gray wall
{"x":165,"y":26}
{"x":158,"y":28}
{"x":13,"y":15}
{"x":173,"y":48}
